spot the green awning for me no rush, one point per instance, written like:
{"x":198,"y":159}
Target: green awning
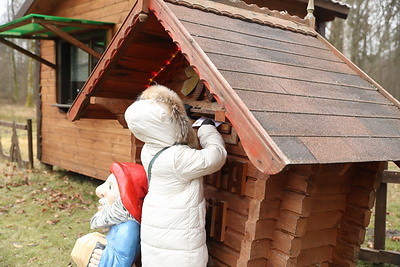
{"x":35,"y":26}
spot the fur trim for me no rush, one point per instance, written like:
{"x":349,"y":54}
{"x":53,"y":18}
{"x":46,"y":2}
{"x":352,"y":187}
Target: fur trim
{"x":161,"y":94}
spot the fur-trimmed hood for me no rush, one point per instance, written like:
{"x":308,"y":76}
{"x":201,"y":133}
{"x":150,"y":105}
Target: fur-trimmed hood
{"x":159,"y":117}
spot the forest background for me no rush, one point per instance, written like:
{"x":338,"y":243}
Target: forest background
{"x":370,"y":37}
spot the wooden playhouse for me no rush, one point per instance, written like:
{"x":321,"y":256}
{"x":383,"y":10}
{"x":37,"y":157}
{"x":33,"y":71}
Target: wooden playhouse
{"x":307,"y":132}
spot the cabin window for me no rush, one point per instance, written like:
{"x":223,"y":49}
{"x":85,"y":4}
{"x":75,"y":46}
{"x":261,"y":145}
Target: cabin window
{"x":75,"y":65}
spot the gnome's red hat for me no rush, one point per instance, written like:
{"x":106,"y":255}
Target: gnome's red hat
{"x":133,"y":186}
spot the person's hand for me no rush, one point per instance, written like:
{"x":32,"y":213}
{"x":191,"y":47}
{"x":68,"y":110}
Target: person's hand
{"x":188,"y":112}
{"x":208,"y":121}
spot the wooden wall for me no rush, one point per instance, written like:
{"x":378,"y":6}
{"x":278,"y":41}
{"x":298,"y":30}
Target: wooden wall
{"x":238,"y":247}
{"x":308,"y":215}
{"x":85,"y":146}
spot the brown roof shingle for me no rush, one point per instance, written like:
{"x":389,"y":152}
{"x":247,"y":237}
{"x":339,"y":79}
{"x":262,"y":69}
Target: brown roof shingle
{"x":316,"y":108}
{"x":291,"y":96}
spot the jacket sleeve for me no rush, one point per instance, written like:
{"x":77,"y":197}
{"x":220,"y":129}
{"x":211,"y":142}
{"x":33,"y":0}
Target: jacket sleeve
{"x":191,"y":163}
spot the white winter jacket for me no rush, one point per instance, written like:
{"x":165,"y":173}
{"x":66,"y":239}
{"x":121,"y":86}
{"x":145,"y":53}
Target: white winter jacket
{"x":173,"y":216}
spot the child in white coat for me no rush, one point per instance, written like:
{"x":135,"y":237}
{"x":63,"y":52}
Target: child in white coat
{"x":173,"y":218}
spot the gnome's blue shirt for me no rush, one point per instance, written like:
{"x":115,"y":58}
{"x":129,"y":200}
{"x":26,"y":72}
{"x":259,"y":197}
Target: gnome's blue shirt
{"x":123,"y":245}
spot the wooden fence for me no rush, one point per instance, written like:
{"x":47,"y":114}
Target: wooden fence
{"x":15,"y":152}
{"x":378,"y":255}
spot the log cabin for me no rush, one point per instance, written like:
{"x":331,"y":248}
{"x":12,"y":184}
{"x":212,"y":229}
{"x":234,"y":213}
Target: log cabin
{"x":307,"y":132}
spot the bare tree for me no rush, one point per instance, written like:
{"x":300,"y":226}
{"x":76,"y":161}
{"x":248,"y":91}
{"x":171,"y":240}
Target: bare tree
{"x":370,"y":38}
{"x":15,"y":85}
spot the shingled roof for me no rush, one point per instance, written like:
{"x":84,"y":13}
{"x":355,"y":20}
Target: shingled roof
{"x":291,"y":96}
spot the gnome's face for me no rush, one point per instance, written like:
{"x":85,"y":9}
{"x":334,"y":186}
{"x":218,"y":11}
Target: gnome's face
{"x":108,"y":191}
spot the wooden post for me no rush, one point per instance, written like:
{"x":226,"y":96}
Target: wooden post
{"x":30,"y":143}
{"x":15,"y":152}
{"x":380,"y":217}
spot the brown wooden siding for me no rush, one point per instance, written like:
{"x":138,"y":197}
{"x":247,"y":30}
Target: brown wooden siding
{"x":86,"y":146}
{"x":318,"y":214}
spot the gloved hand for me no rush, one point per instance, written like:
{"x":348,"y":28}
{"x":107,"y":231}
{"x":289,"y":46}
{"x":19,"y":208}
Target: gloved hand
{"x":188,"y":112}
{"x":208,"y":121}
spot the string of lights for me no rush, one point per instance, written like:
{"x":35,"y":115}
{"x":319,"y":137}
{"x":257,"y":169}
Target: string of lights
{"x":168,"y":62}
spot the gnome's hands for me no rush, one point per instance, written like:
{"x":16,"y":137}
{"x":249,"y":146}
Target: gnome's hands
{"x":96,"y":255}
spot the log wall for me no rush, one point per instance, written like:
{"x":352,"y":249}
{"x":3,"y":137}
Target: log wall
{"x":238,"y":248}
{"x":85,"y":146}
{"x":305,"y":216}
{"x":322,"y":213}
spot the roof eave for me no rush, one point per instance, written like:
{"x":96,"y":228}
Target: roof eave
{"x":131,"y":26}
{"x":260,"y":148}
{"x":35,"y":6}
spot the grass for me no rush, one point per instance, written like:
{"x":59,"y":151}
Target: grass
{"x":42,"y":213}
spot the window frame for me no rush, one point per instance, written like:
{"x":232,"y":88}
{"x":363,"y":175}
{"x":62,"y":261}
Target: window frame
{"x":64,"y":91}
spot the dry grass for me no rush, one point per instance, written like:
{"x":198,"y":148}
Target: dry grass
{"x":42,"y":213}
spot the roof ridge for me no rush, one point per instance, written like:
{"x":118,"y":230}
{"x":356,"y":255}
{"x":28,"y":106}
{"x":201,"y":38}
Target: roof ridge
{"x":240,"y":10}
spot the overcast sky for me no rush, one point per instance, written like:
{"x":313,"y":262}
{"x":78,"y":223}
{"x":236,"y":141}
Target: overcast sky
{"x":3,"y":9}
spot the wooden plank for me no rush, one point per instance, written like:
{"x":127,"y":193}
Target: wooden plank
{"x":233,"y":239}
{"x":292,"y":223}
{"x":351,"y":234}
{"x":265,"y":229}
{"x":361,"y":197}
{"x":256,"y":263}
{"x":380,"y":217}
{"x":379,"y":256}
{"x":299,"y":183}
{"x":298,"y":203}
{"x":286,"y":243}
{"x":315,"y":256}
{"x":270,"y":209}
{"x":358,"y":215}
{"x":319,"y":238}
{"x":236,"y":221}
{"x":275,"y":186}
{"x":28,"y":53}
{"x":260,"y":249}
{"x":239,"y":205}
{"x":329,"y":203}
{"x":10,"y":125}
{"x":279,"y":258}
{"x":323,"y":220}
{"x":223,"y":253}
{"x":366,"y":179}
{"x":70,"y":39}
{"x":391,"y":177}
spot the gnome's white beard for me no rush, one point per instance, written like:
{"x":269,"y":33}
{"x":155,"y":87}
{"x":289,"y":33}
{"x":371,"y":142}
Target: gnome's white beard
{"x":110,"y":215}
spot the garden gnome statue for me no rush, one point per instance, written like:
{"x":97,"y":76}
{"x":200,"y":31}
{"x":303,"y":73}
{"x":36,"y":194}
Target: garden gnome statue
{"x":173,"y":223}
{"x":121,"y":198}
